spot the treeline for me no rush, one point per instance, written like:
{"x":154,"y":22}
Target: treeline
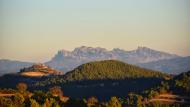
{"x":180,"y":84}
{"x":55,"y":98}
{"x":109,"y":69}
{"x":94,"y":85}
{"x":103,"y":70}
{"x":99,"y":70}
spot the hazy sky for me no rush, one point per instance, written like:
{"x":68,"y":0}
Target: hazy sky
{"x":33,"y":30}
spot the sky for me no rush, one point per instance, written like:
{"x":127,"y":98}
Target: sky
{"x":34,"y":30}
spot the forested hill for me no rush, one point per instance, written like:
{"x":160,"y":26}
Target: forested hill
{"x":181,"y":83}
{"x":110,"y":69}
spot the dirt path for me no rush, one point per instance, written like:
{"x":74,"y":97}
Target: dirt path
{"x":6,"y":95}
{"x":171,"y":98}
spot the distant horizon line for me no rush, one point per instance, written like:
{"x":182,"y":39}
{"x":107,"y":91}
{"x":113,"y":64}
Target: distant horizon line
{"x":29,"y":61}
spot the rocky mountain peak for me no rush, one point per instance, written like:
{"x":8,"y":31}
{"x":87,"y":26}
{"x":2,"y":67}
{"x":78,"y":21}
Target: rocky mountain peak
{"x":117,"y":49}
{"x":142,"y":48}
{"x":84,"y":54}
{"x":88,"y":51}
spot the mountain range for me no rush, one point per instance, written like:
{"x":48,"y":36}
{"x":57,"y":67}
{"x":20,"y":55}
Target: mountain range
{"x":142,"y":56}
{"x":11,"y":66}
{"x":68,"y":60}
{"x":172,"y":66}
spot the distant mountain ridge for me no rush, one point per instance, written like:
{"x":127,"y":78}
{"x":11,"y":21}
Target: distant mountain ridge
{"x":142,"y":56}
{"x":68,"y":60}
{"x":11,"y":66}
{"x":172,"y":66}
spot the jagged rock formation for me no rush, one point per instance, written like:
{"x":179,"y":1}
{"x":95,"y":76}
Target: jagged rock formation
{"x":68,"y":60}
{"x":142,"y":56}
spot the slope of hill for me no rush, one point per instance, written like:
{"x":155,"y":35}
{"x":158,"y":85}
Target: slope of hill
{"x":109,"y":69}
{"x":181,"y":83}
{"x":171,"y":66}
{"x":68,"y":60}
{"x":10,"y":66}
{"x":30,"y":75}
{"x":102,"y":79}
{"x":39,"y":70}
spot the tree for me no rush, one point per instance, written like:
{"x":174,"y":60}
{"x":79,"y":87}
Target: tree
{"x":47,"y":103}
{"x":33,"y":103}
{"x":92,"y":101}
{"x":75,"y":103}
{"x":22,"y":87}
{"x":56,"y":91}
{"x":139,"y":101}
{"x":18,"y":100}
{"x":152,"y":94}
{"x":6,"y":102}
{"x":114,"y":102}
{"x":39,"y":96}
{"x":155,"y":104}
{"x":51,"y":102}
{"x":135,"y":100}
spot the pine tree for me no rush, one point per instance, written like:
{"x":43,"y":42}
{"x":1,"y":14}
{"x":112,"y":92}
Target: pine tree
{"x":33,"y":103}
{"x":114,"y":102}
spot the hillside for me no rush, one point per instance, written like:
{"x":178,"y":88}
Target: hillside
{"x":181,"y":83}
{"x":104,"y":79}
{"x":183,"y":80}
{"x":110,"y":69}
{"x":39,"y":70}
